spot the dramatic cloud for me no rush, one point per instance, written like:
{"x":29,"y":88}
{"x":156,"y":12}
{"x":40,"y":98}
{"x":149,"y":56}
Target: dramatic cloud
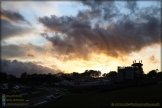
{"x":12,"y":16}
{"x":12,"y":51}
{"x":72,"y":37}
{"x":95,"y":35}
{"x":12,"y":25}
{"x":89,"y":14}
{"x":17,"y":68}
{"x":106,"y":10}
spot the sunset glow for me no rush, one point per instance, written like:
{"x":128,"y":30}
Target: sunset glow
{"x":75,"y":36}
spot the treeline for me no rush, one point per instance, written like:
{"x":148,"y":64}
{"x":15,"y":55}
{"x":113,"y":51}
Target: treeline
{"x":154,"y":74}
{"x":47,"y":78}
{"x":87,"y":74}
{"x":52,"y":78}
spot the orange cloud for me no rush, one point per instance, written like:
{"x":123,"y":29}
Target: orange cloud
{"x":31,"y":53}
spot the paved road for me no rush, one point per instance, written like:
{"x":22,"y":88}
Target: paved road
{"x":42,"y":98}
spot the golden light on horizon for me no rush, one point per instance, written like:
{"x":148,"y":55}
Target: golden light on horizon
{"x":74,"y":40}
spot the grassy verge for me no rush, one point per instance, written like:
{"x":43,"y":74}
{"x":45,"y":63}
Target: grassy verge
{"x":147,"y":94}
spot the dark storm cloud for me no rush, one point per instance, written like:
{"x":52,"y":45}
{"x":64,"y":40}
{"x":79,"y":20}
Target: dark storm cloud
{"x":63,"y":24}
{"x":125,"y":34}
{"x":12,"y":51}
{"x":9,"y":30}
{"x":12,"y":16}
{"x":107,"y":10}
{"x":88,"y":14}
{"x":16,"y":68}
{"x":54,"y":23}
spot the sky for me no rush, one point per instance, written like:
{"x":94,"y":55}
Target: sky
{"x":73,"y":36}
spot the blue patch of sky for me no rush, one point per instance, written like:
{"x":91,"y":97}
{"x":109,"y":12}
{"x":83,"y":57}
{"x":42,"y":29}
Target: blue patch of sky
{"x":142,"y":4}
{"x":29,"y":16}
{"x":70,"y":8}
{"x":64,"y":8}
{"x":37,"y":40}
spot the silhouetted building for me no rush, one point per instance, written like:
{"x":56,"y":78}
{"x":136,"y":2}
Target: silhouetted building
{"x":131,"y":73}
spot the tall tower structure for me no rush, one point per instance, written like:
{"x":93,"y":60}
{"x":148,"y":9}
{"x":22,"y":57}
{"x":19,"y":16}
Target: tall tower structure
{"x":138,"y":71}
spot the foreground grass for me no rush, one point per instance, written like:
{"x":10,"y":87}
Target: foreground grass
{"x":128,"y":95}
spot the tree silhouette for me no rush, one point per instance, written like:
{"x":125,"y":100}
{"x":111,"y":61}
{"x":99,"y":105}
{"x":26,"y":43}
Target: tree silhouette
{"x":159,"y":74}
{"x":111,"y":74}
{"x":75,"y":74}
{"x":104,"y":75}
{"x":49,"y":74}
{"x":23,"y":75}
{"x":152,"y":73}
{"x":91,"y":74}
